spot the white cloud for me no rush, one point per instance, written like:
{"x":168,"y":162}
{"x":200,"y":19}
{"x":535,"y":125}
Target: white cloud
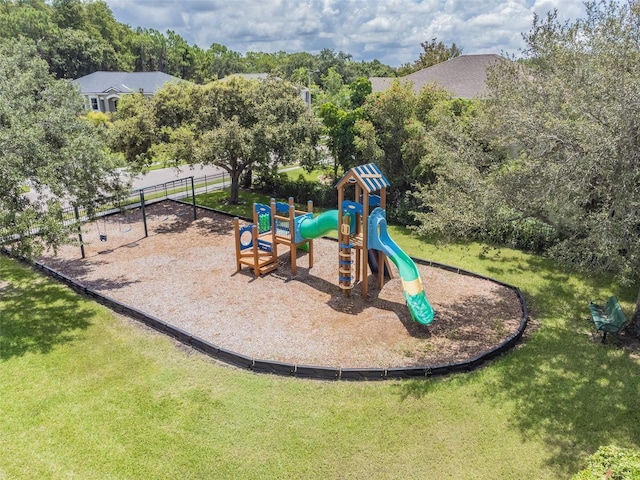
{"x":389,"y":30}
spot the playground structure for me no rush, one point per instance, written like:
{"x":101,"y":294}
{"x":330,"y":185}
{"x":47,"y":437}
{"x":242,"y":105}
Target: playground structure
{"x":363,"y":240}
{"x":273,"y":225}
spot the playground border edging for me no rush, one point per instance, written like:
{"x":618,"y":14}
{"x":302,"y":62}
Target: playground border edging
{"x":295,"y":370}
{"x":287,"y":369}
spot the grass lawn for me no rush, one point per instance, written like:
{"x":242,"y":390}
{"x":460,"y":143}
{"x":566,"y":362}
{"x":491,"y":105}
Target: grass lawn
{"x":218,"y":201}
{"x":295,"y":173}
{"x":87,"y":394}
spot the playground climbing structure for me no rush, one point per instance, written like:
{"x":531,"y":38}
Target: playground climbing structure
{"x":366,"y":181}
{"x":363,"y":240}
{"x":273,"y":225}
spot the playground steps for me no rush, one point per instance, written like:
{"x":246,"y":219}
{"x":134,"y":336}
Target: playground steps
{"x":356,"y":240}
{"x":262,"y":266}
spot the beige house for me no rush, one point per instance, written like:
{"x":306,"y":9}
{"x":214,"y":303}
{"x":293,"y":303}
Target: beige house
{"x":464,"y":76}
{"x":102,"y":90}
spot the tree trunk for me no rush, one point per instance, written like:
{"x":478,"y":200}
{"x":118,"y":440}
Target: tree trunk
{"x":234,"y":198}
{"x":247,"y":179}
{"x":635,"y":320}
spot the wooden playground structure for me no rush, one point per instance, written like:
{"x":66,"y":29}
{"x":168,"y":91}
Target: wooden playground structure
{"x":353,"y":218}
{"x":279,"y":224}
{"x":273,"y":225}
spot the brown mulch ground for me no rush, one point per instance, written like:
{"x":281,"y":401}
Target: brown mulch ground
{"x":184,"y":273}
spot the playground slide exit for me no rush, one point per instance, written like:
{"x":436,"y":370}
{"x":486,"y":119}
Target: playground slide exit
{"x":379,"y":239}
{"x":419,"y":307}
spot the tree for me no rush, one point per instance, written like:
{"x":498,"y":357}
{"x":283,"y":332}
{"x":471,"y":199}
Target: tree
{"x":578,"y":101}
{"x":433,"y":52}
{"x":180,"y":58}
{"x":373,"y":68}
{"x":221,"y":62}
{"x":338,"y":127}
{"x":334,"y":90}
{"x":339,"y":115}
{"x":359,"y":90}
{"x":255,"y":125}
{"x":134,"y":130}
{"x":561,"y":142}
{"x":260,"y":62}
{"x":150,"y":50}
{"x":74,"y":53}
{"x":238,"y":125}
{"x":30,"y":21}
{"x":456,"y":196}
{"x":47,"y":147}
{"x":389,"y":112}
{"x":102,"y":24}
{"x":69,"y":14}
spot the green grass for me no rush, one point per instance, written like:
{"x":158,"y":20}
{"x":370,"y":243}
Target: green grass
{"x":86,"y":394}
{"x":219,"y":200}
{"x":295,"y":173}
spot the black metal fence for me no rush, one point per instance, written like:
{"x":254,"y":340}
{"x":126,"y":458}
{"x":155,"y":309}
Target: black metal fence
{"x":176,"y":189}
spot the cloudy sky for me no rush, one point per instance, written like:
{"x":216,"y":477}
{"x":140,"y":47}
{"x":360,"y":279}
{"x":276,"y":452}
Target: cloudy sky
{"x":388,"y":30}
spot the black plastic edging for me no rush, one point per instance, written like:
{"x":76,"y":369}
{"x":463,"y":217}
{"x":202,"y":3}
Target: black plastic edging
{"x":301,"y":371}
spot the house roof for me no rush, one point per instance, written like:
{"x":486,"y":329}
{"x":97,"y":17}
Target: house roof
{"x":464,"y":76}
{"x":124,"y":82}
{"x":368,"y":176}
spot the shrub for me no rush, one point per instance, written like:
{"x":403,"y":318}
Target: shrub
{"x":611,"y":462}
{"x":323,"y":196}
{"x":526,"y":234}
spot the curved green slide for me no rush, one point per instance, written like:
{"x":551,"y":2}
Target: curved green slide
{"x":379,"y":239}
{"x":320,"y":225}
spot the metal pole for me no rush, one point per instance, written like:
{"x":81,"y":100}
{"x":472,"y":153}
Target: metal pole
{"x":193,"y":195}
{"x":144,"y":214}
{"x":77,"y":214}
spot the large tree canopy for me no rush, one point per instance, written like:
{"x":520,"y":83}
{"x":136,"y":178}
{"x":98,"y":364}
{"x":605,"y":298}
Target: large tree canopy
{"x":238,"y":125}
{"x":569,"y":117}
{"x":561,"y":142}
{"x":47,"y":147}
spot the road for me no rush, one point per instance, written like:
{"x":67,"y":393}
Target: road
{"x":163,"y":175}
{"x":160,"y":176}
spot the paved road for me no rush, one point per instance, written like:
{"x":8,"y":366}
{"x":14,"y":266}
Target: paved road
{"x":163,"y":175}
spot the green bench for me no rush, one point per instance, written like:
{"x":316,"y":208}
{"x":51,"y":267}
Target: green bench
{"x":608,"y":318}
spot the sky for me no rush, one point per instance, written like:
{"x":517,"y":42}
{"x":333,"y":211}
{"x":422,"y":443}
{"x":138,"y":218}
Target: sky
{"x":390,"y":31}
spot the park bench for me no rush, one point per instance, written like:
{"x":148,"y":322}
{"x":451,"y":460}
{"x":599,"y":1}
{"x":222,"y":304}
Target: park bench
{"x":608,"y":318}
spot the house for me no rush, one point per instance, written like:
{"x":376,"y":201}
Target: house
{"x":102,"y":90}
{"x":304,"y":92}
{"x":464,"y":76}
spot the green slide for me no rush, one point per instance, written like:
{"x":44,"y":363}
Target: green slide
{"x":320,"y":225}
{"x":379,"y":239}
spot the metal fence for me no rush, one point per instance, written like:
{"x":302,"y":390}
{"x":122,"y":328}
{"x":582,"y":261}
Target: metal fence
{"x":178,"y":189}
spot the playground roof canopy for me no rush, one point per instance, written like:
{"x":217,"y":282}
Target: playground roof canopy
{"x":368,"y":176}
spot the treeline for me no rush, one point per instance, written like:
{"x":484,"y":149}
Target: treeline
{"x":79,"y":37}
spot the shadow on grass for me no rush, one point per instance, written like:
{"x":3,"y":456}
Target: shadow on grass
{"x":568,"y":390}
{"x":574,"y":393}
{"x":36,"y":314}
